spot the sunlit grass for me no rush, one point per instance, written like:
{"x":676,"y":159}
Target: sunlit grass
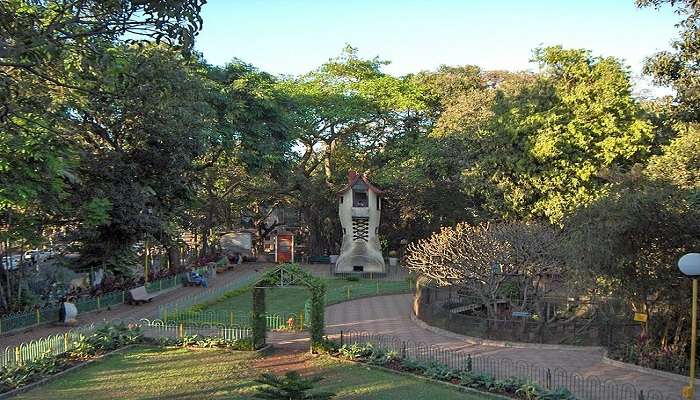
{"x":152,"y":373}
{"x":147,"y":373}
{"x":292,"y":299}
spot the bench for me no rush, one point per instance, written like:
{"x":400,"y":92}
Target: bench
{"x":139,"y":295}
{"x":188,"y":281}
{"x":319,"y":260}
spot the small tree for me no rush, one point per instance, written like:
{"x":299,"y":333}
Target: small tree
{"x":631,"y":240}
{"x":462,"y":255}
{"x":291,"y":387}
{"x":513,"y":261}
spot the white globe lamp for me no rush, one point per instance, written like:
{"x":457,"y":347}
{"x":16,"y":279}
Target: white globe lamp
{"x":689,"y":265}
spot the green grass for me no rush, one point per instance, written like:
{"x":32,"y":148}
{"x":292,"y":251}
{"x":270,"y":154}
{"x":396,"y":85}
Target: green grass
{"x":154,"y":373}
{"x":147,"y":373}
{"x":284,"y":301}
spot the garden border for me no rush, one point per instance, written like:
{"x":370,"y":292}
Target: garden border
{"x":44,"y":381}
{"x":502,"y":343}
{"x":459,"y":388}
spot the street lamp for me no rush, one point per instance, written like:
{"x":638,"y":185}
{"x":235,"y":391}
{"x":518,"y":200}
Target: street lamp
{"x":689,"y":265}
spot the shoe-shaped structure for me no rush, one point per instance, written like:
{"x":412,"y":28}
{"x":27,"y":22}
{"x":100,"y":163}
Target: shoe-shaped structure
{"x":359,"y":207}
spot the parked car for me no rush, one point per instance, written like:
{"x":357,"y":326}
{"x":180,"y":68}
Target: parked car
{"x":10,"y":263}
{"x":37,"y":255}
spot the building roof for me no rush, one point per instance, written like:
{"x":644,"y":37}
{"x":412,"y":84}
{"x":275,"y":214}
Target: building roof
{"x":353,"y":178}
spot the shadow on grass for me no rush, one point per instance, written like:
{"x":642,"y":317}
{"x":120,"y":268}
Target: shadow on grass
{"x":154,"y":373}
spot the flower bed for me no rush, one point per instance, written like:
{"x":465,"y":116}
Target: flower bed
{"x":103,"y":340}
{"x":512,"y":387}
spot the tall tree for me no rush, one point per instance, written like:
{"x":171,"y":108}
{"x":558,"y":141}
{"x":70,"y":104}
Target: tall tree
{"x":679,"y":67}
{"x":247,"y":164}
{"x":540,"y":146}
{"x":347,"y":103}
{"x":50,"y":53}
{"x":137,"y":150}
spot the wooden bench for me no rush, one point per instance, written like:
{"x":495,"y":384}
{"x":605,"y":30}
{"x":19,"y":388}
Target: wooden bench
{"x":139,"y":295}
{"x":319,"y":260}
{"x":187,"y":280}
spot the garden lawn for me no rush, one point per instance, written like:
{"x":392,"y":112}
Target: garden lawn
{"x":176,"y":373}
{"x":291,"y":300}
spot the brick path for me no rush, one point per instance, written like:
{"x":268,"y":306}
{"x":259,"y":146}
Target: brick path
{"x":390,"y":315}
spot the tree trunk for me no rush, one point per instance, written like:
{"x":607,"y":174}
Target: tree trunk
{"x":205,"y":243}
{"x":312,"y":218}
{"x":174,"y":258}
{"x":327,"y":158}
{"x":2,"y":298}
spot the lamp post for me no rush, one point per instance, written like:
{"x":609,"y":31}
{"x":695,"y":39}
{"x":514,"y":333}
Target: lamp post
{"x":145,"y":262}
{"x":689,"y":265}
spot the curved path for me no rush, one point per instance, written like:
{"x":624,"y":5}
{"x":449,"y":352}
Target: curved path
{"x":391,"y":315}
{"x":388,"y":315}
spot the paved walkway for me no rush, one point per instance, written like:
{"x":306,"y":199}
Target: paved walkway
{"x":123,"y":311}
{"x":390,"y":315}
{"x":387,"y":315}
{"x":148,"y":310}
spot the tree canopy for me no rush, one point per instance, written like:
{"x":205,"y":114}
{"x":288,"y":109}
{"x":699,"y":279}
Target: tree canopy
{"x":113,"y":131}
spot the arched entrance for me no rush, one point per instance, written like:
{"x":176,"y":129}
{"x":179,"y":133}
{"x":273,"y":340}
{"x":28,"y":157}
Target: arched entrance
{"x":288,"y":275}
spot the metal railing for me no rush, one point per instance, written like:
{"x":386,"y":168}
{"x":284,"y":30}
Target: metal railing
{"x":181,"y":310}
{"x":54,"y":344}
{"x":377,"y":288}
{"x":49,"y":313}
{"x":64,"y":342}
{"x":175,"y":307}
{"x":584,"y":388}
{"x":509,"y":320}
{"x":158,"y":328}
{"x":275,"y":321}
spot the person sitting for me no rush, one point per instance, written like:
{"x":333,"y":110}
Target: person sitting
{"x":197,"y":278}
{"x":68,"y":312}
